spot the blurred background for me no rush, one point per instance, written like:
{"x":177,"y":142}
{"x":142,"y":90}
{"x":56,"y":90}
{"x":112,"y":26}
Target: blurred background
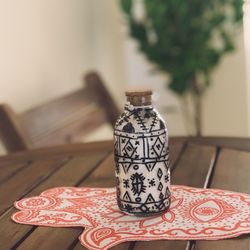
{"x":46,"y":48}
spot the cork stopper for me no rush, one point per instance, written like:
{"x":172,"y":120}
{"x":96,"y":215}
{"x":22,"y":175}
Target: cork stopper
{"x":139,"y":97}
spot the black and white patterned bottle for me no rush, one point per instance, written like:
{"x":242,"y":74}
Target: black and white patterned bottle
{"x":141,"y":157}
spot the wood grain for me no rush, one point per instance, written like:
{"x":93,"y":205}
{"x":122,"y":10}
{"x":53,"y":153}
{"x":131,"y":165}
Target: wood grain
{"x":96,"y":85}
{"x":8,"y":171}
{"x":193,"y":166}
{"x":66,"y":150}
{"x":12,"y":134}
{"x":69,"y":174}
{"x":232,"y":173}
{"x":161,"y":245}
{"x":177,"y":145}
{"x":239,"y":143}
{"x":102,"y":176}
{"x":24,"y":181}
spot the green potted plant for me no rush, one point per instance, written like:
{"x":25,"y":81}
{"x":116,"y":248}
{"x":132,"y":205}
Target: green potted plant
{"x":186,"y":40}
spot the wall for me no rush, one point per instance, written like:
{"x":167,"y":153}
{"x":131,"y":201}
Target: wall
{"x":225,"y":103}
{"x":107,"y":45}
{"x":46,"y":46}
{"x":247,"y":50}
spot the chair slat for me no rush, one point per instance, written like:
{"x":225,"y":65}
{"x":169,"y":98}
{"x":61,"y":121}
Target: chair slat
{"x":63,"y":120}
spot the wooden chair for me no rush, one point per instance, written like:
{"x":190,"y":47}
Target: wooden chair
{"x":63,"y":120}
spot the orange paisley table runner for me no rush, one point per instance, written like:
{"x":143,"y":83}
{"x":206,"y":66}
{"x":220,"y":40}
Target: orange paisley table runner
{"x":195,"y":214}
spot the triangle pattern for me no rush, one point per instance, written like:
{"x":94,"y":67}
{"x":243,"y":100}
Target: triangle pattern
{"x":126,"y":197}
{"x":149,"y":199}
{"x":126,"y":167}
{"x":150,"y":166}
{"x":166,"y":163}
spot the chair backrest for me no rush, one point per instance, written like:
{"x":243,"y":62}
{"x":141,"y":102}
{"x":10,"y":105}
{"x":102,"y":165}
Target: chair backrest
{"x":63,"y":120}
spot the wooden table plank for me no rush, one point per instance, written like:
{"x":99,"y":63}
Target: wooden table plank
{"x":8,"y":171}
{"x":191,"y":170}
{"x":239,"y":143}
{"x":232,"y":172}
{"x":122,"y":246}
{"x":102,"y":176}
{"x":193,"y":166}
{"x":65,"y":150}
{"x":161,"y":245}
{"x":176,"y":148}
{"x":18,"y":185}
{"x":68,"y":175}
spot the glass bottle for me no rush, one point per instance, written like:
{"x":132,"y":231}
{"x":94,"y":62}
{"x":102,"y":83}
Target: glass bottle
{"x":141,"y":157}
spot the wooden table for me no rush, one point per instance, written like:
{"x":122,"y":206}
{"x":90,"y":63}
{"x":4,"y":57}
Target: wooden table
{"x":205,"y":162}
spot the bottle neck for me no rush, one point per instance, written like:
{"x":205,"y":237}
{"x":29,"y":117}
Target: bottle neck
{"x":129,"y":107}
{"x":140,"y":101}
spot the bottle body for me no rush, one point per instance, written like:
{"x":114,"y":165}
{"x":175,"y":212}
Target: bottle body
{"x":142,"y":161}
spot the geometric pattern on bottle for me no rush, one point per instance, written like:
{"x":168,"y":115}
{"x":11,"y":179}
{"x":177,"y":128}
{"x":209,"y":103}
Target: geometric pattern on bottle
{"x":142,"y":162}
